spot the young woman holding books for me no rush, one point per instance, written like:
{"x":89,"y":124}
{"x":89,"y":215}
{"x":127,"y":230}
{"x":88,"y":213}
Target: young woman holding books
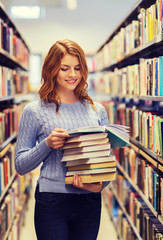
{"x":62,"y":212}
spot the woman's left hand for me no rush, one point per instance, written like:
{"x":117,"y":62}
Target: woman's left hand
{"x":92,"y":187}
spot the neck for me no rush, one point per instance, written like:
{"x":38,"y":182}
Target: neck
{"x":68,"y":97}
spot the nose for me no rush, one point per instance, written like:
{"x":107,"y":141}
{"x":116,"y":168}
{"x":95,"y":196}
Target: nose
{"x":72,"y":73}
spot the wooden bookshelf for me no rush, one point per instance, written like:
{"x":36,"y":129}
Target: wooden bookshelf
{"x":5,"y":145}
{"x":126,"y":213}
{"x":14,"y":57}
{"x":149,"y":46}
{"x":140,"y":192}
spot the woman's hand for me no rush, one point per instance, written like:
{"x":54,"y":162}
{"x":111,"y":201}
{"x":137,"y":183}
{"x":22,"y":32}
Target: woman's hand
{"x":92,"y":187}
{"x":57,"y":138}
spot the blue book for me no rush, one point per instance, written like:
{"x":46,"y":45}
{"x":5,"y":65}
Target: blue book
{"x":154,"y":188}
{"x":156,"y":76}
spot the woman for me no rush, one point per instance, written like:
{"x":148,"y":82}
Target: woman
{"x":62,"y":212}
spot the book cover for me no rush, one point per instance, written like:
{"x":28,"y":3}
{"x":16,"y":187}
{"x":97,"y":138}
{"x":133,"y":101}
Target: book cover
{"x":91,"y":171}
{"x":76,"y":137}
{"x":110,"y":158}
{"x":92,"y":166}
{"x":91,"y":178}
{"x":86,"y":155}
{"x":87,"y":149}
{"x":118,"y":134}
{"x":85,"y":143}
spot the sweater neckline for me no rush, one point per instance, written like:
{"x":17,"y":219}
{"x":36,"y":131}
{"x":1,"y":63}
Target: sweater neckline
{"x":70,"y":104}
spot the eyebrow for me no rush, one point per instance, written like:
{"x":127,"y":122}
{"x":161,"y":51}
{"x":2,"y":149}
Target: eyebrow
{"x":65,"y":65}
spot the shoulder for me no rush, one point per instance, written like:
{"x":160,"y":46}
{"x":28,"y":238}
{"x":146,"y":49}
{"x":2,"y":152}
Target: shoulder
{"x":99,"y":106}
{"x":33,"y":106}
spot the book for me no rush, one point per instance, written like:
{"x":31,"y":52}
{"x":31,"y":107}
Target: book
{"x":76,"y":137}
{"x":92,"y":178}
{"x":86,"y":155}
{"x":118,"y":134}
{"x":87,"y":149}
{"x":92,"y":166}
{"x":91,"y":171}
{"x":85,"y":143}
{"x":110,"y":158}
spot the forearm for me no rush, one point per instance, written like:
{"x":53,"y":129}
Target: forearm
{"x":28,"y":159}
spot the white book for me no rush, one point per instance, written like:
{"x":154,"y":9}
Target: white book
{"x":87,"y":149}
{"x":86,"y":155}
{"x":110,"y":158}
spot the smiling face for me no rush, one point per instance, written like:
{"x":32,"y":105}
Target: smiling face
{"x":69,"y":75}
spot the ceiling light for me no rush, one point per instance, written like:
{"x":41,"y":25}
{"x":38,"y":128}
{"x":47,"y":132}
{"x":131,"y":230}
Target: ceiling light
{"x":71,"y":5}
{"x":27,"y":12}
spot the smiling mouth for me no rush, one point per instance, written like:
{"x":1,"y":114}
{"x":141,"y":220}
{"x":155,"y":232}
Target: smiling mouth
{"x":71,"y":81}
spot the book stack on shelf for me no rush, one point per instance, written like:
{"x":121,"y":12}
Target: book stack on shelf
{"x":88,"y":152}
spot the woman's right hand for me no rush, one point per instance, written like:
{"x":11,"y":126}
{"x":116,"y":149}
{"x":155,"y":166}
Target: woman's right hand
{"x":57,"y":138}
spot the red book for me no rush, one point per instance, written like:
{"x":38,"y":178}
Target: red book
{"x":5,"y":161}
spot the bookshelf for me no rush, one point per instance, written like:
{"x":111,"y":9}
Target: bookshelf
{"x":14,"y":66}
{"x":129,"y":70}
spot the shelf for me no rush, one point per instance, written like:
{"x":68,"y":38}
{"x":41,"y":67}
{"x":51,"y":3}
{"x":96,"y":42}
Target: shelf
{"x":9,"y":140}
{"x":6,"y":99}
{"x":8,"y":186}
{"x":126,"y":213}
{"x":140,"y":193}
{"x":105,"y":197}
{"x":146,"y":98}
{"x":10,"y":61}
{"x":14,"y":216}
{"x":139,"y":52}
{"x":9,"y":21}
{"x":147,"y":153}
{"x":5,"y":150}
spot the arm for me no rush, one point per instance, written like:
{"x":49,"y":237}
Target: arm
{"x":29,"y":155}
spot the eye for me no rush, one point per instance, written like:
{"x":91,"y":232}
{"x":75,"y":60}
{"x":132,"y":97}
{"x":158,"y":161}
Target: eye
{"x":77,"y":68}
{"x":64,"y":69}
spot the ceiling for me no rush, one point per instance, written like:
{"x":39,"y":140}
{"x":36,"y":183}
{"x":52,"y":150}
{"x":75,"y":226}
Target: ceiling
{"x":90,"y":25}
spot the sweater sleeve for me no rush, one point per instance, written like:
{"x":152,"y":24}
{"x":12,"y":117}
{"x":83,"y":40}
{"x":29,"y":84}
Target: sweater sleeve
{"x":29,"y":155}
{"x":104,"y":121}
{"x":103,"y":116}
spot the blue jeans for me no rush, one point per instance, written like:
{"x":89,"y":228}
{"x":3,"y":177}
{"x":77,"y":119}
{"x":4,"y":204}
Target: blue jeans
{"x":60,"y":216}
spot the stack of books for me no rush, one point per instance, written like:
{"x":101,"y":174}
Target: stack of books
{"x":88,"y":153}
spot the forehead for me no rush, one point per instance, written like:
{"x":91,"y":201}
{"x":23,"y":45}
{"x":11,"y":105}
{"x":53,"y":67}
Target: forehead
{"x":69,"y":60}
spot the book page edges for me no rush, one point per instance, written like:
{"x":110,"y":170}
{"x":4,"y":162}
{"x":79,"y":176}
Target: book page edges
{"x":104,"y":177}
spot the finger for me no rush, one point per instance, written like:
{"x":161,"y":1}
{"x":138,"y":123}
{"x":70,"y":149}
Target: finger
{"x":80,"y":182}
{"x":60,"y":134}
{"x":60,"y":130}
{"x":75,"y":180}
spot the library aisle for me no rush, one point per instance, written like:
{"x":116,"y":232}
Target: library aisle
{"x":28,"y":231}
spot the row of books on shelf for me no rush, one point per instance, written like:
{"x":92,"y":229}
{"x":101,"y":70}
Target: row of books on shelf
{"x":12,"y":208}
{"x":135,"y":34}
{"x":7,"y":168}
{"x":13,"y":82}
{"x":143,"y":79}
{"x":9,"y":121}
{"x":12,"y":44}
{"x":87,"y":152}
{"x":134,"y":220}
{"x":148,"y":181}
{"x":145,"y":127}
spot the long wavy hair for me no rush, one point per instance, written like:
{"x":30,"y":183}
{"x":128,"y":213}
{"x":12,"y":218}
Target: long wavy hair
{"x":51,"y":68}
